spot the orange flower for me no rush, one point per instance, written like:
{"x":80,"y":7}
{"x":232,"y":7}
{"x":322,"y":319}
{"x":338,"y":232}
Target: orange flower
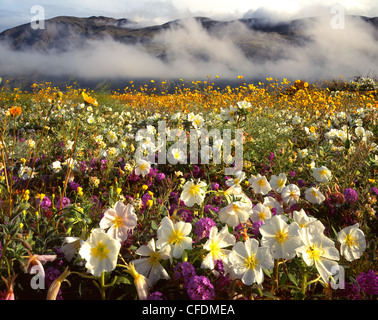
{"x":88,"y":99}
{"x":15,"y":111}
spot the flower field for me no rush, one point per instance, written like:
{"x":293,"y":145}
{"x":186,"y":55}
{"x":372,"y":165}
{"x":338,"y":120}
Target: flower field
{"x":86,"y":213}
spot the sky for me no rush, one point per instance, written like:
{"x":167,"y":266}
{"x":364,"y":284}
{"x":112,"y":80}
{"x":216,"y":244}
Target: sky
{"x":342,"y":52}
{"x":149,"y":12}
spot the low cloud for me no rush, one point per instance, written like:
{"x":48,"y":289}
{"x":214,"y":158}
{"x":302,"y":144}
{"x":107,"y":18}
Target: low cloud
{"x":192,"y":53}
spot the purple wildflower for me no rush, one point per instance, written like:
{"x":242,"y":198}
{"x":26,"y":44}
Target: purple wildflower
{"x":74,"y":185}
{"x":215,"y":186}
{"x":209,"y":209}
{"x":200,"y":288}
{"x":160,"y":177}
{"x":375,"y":190}
{"x":350,"y":292}
{"x":155,"y":296}
{"x":203,"y":227}
{"x":301,"y":183}
{"x":45,"y":203}
{"x":83,"y":166}
{"x":50,"y":275}
{"x":185,"y":215}
{"x":65,"y":202}
{"x":183,"y":272}
{"x":368,"y":282}
{"x":350,"y":195}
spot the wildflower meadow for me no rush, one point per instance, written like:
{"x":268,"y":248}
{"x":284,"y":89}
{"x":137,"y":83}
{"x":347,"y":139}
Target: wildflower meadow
{"x":189,"y":191}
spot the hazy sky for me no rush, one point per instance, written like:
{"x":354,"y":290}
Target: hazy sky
{"x":347,"y":52}
{"x":15,"y":12}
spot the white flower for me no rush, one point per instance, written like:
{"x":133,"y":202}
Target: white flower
{"x":290,"y":194}
{"x":90,"y":120}
{"x":235,"y":213}
{"x":216,"y":245}
{"x":260,"y":184}
{"x":197,"y":121}
{"x":260,"y":212}
{"x":71,"y":163}
{"x":143,"y":168}
{"x":100,"y":252}
{"x":271,"y":203}
{"x":150,"y":266}
{"x":282,"y":238}
{"x":239,"y":177}
{"x":26,"y":172}
{"x":235,"y":192}
{"x":313,"y":195}
{"x":244,"y":104}
{"x":296,"y":120}
{"x":111,"y":136}
{"x":302,"y":218}
{"x":247,"y":261}
{"x":352,"y":241}
{"x":322,"y":174}
{"x":302,"y":153}
{"x":70,"y":246}
{"x":175,"y":235}
{"x":318,"y":249}
{"x":120,"y":220}
{"x":177,"y":155}
{"x":229,"y":114}
{"x":193,"y":193}
{"x":278,"y":182}
{"x":190,"y":116}
{"x":360,"y":131}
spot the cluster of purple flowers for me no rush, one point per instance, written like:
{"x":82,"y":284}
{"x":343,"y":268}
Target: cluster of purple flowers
{"x":202,"y":228}
{"x":197,"y":287}
{"x":200,"y":288}
{"x":350,"y":195}
{"x":44,"y":203}
{"x":367,"y":283}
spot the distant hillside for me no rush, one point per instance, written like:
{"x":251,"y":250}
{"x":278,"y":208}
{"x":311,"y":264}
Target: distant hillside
{"x":258,"y":39}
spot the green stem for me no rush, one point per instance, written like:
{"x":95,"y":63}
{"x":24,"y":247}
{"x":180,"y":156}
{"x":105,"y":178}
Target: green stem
{"x":304,"y":284}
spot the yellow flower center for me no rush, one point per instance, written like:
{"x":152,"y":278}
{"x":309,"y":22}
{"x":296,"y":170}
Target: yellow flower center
{"x":323,"y":172}
{"x":281,"y":236}
{"x":350,"y":240}
{"x":176,"y":237}
{"x":293,"y":195}
{"x":314,"y":193}
{"x":143,"y":166}
{"x":100,"y":251}
{"x":154,"y":258}
{"x":262,"y":215}
{"x":215,"y":249}
{"x":177,"y":155}
{"x":118,"y":222}
{"x":281,"y":183}
{"x":315,"y":252}
{"x":194,"y":189}
{"x":235,"y":207}
{"x":251,"y":262}
{"x":261,"y":182}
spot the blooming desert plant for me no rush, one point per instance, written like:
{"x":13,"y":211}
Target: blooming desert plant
{"x":82,"y":211}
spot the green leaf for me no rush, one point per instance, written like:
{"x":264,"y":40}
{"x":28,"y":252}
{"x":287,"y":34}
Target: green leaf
{"x":123,"y":280}
{"x":347,"y":144}
{"x":293,"y":279}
